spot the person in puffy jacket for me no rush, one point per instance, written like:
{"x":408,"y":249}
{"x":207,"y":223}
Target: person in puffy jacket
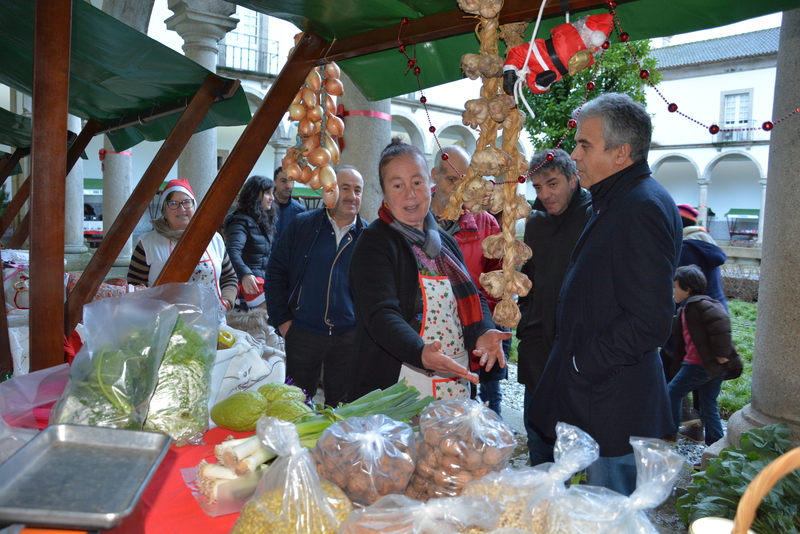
{"x":249,"y":235}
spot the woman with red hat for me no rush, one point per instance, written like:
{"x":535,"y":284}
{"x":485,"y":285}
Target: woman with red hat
{"x":154,"y":248}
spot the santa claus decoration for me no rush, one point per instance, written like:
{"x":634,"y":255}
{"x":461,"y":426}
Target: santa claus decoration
{"x":569,"y":50}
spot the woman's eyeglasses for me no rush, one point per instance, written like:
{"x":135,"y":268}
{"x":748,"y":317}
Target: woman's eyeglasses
{"x":187,"y":203}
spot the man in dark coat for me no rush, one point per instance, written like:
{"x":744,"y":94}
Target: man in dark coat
{"x":288,"y":207}
{"x":559,"y":214}
{"x":615,"y":309}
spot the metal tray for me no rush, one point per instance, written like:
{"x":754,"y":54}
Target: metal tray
{"x":81,"y":477}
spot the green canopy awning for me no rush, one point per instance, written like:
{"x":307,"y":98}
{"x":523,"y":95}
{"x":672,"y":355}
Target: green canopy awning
{"x":15,"y":130}
{"x":383,"y":74}
{"x":115,"y":71}
{"x":741,"y":213}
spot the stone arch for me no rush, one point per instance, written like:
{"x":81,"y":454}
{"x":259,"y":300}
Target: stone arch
{"x":679,"y":174}
{"x":405,"y":123}
{"x":454,"y":132}
{"x":254,"y":97}
{"x":734,"y":181}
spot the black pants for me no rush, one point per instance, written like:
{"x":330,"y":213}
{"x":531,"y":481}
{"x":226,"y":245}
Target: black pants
{"x":307,"y":354}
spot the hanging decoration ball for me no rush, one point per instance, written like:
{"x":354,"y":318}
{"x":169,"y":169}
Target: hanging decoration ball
{"x":445,"y":155}
{"x":404,"y":20}
{"x":714,"y":129}
{"x":767,"y":126}
{"x":644,"y":74}
{"x":423,"y":99}
{"x":590,"y":86}
{"x":412,"y":62}
{"x":623,"y":37}
{"x":550,"y":156}
{"x":572,"y":123}
{"x":432,"y":129}
{"x":605,"y":45}
{"x":417,"y":70}
{"x":672,"y":108}
{"x":611,"y":4}
{"x":522,"y":179}
{"x":401,"y":49}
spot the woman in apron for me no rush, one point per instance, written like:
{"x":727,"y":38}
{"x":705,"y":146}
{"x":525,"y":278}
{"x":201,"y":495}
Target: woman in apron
{"x":154,"y":248}
{"x":419,"y":317}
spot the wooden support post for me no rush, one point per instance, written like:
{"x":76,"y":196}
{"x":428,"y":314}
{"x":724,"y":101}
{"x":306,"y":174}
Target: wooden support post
{"x":241,"y":160}
{"x":139,"y":200}
{"x":51,"y":45}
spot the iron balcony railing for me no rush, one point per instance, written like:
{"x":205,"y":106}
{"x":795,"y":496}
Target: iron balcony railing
{"x":248,"y":52}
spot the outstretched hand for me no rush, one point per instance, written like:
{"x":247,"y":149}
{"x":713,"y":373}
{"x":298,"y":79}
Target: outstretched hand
{"x":434,"y":359}
{"x":489,"y":348}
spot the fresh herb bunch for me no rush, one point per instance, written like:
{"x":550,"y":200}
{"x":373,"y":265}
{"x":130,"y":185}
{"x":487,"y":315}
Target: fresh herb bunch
{"x":716,"y":492}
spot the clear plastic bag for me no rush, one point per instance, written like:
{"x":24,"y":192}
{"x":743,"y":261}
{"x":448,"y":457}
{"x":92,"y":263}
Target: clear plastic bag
{"x":524,"y":491}
{"x":368,"y":457}
{"x":459,"y":441}
{"x":291,"y":497}
{"x":114,"y":374}
{"x":585,"y":509}
{"x":398,"y":514}
{"x":179,"y":405}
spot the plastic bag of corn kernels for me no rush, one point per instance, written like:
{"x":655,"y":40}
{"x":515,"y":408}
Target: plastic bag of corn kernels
{"x":291,"y":497}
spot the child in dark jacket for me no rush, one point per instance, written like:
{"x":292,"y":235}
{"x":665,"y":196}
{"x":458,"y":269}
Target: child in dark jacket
{"x":703,"y":355}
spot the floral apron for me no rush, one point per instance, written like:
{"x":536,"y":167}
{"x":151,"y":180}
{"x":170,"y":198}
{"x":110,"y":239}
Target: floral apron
{"x":440,"y":323}
{"x":206,"y":274}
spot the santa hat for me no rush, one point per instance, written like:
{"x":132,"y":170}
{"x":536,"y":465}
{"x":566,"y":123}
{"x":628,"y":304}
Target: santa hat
{"x":181,"y":185}
{"x":601,"y":27}
{"x":254,"y":300}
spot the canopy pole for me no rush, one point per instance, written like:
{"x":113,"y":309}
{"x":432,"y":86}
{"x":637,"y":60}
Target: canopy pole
{"x":52,"y":34}
{"x":242,"y":159}
{"x":139,"y":200}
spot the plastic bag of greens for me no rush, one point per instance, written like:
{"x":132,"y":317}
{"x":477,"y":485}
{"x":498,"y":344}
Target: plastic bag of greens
{"x":114,"y":374}
{"x":399,"y":514}
{"x":291,"y":497}
{"x":179,"y":406}
{"x":585,"y":509}
{"x":524,"y":491}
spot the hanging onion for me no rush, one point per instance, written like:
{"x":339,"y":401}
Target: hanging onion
{"x":327,"y":176}
{"x":305,"y":127}
{"x":335,"y":125}
{"x":313,"y":80}
{"x":330,"y":196}
{"x":332,"y":70}
{"x":306,"y":176}
{"x":319,"y":156}
{"x":334,"y":86}
{"x":315,"y":113}
{"x":293,"y":171}
{"x":333,"y":147}
{"x":309,"y":97}
{"x":297,"y":112}
{"x":313,"y":183}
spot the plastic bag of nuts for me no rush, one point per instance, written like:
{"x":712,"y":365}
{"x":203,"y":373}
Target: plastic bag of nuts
{"x":368,"y":457}
{"x":524,"y":492}
{"x":459,"y":441}
{"x":291,"y":497}
{"x":398,"y":514}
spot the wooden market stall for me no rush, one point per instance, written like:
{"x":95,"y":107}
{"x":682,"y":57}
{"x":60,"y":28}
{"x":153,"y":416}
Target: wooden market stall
{"x":363,"y":38}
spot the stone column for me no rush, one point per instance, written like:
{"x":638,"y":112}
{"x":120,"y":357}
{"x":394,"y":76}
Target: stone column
{"x":364,"y":139}
{"x":702,"y":201}
{"x":282,"y":139}
{"x":75,"y":251}
{"x":776,"y":366}
{"x":116,"y":191}
{"x":201,"y":24}
{"x":763,"y":183}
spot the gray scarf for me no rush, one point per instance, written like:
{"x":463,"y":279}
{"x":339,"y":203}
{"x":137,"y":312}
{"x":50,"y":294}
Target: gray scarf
{"x":161,"y":226}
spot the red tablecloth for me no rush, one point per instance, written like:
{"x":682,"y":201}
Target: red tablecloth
{"x":168,"y":505}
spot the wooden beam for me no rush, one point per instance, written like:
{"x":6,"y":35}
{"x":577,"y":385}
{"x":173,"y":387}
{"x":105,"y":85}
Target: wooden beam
{"x":139,"y":200}
{"x":10,"y":161}
{"x":14,"y":207}
{"x":80,"y":144}
{"x":51,"y":48}
{"x":20,"y":235}
{"x":241,"y":160}
{"x":444,"y":24}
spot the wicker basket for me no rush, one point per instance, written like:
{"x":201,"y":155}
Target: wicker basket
{"x":756,"y":491}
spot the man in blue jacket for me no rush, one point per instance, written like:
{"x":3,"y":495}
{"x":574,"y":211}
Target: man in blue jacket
{"x":615,"y":308}
{"x":308,"y":294}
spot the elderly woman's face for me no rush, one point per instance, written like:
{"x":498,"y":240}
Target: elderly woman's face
{"x":407,"y":189}
{"x":178,"y":217}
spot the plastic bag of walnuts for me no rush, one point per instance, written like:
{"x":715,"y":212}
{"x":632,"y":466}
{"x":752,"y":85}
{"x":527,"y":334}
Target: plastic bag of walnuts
{"x":368,"y":457}
{"x":459,"y":441}
{"x":291,"y":497}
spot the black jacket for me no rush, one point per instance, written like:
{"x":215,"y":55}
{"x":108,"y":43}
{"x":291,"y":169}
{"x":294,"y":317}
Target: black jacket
{"x":385,"y":283}
{"x":247,"y":245}
{"x":710,"y":329}
{"x":615,"y":309}
{"x":551,"y":239}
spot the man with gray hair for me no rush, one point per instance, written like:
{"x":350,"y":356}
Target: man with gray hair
{"x":559,"y":215}
{"x":615,"y":307}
